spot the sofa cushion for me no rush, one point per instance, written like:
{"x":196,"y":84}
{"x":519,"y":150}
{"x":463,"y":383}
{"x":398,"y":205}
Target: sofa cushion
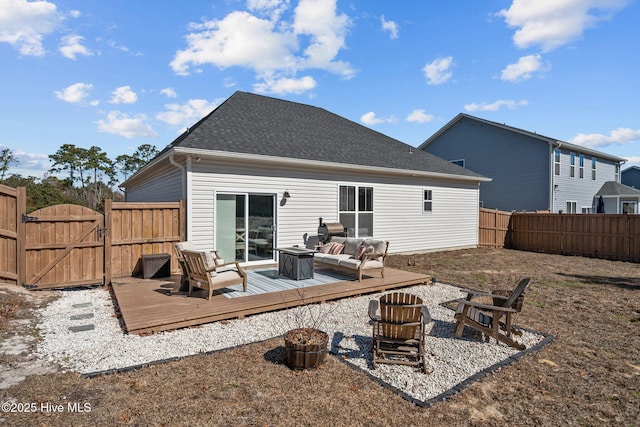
{"x":372,"y":264}
{"x":336,"y":259}
{"x":351,"y":246}
{"x":379,"y":246}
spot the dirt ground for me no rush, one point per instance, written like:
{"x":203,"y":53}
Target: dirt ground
{"x":589,"y":376}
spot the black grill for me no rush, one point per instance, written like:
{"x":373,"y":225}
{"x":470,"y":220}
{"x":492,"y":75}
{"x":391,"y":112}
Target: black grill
{"x":327,"y":230}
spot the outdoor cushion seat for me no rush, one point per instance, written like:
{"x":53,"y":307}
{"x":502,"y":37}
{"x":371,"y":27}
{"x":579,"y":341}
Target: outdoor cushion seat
{"x":357,"y":254}
{"x":209,"y":275}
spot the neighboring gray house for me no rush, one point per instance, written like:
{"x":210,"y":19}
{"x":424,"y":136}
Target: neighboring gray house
{"x":258,"y":172}
{"x":618,"y":198}
{"x":529,"y":171}
{"x":631,"y":176}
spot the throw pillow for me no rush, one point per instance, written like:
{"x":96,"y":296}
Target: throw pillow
{"x":361,"y":250}
{"x":337,"y":248}
{"x":326,"y":248}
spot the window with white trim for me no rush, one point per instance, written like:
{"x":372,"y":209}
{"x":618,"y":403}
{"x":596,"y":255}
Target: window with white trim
{"x":356,"y":210}
{"x":617,"y":172}
{"x":581,"y":166}
{"x":572,"y":165}
{"x":427,"y":201}
{"x":571,"y":206}
{"x":628,"y":207}
{"x":459,"y":162}
{"x":556,"y":162}
{"x":594,"y":162}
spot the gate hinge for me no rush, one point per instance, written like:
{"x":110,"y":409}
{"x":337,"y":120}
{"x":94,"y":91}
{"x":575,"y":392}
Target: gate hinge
{"x":27,"y":218}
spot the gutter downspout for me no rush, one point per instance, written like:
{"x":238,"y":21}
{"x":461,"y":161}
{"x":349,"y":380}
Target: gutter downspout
{"x":183,"y":179}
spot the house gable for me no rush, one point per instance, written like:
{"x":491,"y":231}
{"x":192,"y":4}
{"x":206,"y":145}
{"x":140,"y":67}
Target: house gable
{"x":522,"y":165}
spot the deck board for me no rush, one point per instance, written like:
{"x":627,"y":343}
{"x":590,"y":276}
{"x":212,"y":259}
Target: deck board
{"x":152,"y":305}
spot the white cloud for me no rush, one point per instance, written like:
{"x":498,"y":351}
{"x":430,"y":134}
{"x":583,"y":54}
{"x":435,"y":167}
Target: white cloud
{"x":495,"y":106}
{"x":31,"y":163}
{"x":389,"y":26}
{"x":75,"y":93}
{"x":551,"y":24}
{"x":276,"y":49}
{"x":371,"y":119}
{"x":438,"y":71}
{"x":285,"y":85}
{"x":72,"y":46}
{"x":523,"y":69}
{"x":240,"y":39}
{"x":186,"y":114}
{"x":121,"y":124}
{"x":24,"y":24}
{"x":617,"y":136}
{"x":123,"y":95}
{"x":169,"y":92}
{"x":632,"y":161}
{"x":419,"y":116}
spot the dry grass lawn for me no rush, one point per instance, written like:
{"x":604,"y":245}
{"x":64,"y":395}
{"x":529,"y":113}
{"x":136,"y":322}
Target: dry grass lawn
{"x":589,"y":376}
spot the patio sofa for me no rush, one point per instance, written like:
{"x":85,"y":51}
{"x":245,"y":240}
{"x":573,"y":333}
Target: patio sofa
{"x":363,"y":256}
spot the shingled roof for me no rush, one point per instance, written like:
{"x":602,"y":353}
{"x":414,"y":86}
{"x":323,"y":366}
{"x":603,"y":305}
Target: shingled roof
{"x":260,"y":125}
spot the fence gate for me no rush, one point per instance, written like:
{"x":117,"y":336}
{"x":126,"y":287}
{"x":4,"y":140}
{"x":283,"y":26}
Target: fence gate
{"x":64,"y":245}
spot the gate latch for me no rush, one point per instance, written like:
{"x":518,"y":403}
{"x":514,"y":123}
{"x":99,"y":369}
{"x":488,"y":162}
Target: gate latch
{"x":102,"y":231}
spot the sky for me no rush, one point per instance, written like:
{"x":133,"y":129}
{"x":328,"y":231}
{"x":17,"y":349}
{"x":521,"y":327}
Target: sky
{"x":120,"y":73}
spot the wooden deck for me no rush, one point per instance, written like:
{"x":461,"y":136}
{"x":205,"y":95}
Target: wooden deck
{"x":150,"y":306}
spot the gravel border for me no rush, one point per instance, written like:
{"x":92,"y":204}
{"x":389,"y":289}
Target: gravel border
{"x":99,"y":345}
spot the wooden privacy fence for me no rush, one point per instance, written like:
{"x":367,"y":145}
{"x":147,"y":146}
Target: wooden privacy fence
{"x":70,"y":245}
{"x":609,"y":236}
{"x":12,"y":202}
{"x":493,"y":229}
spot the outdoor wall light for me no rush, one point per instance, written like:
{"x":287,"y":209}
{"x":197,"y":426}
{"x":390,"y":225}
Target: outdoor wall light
{"x":286,"y":194}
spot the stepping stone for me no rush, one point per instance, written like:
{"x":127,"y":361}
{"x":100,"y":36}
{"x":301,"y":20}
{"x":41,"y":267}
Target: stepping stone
{"x":82,"y":305}
{"x":81,"y":328}
{"x":82,"y":316}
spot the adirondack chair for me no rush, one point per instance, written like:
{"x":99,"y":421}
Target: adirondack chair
{"x":399,"y":321}
{"x":495,"y":319}
{"x":212,"y":256}
{"x":201,"y":272}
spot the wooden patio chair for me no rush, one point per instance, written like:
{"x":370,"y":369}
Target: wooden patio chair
{"x":201,"y":272}
{"x":492,"y":319}
{"x":399,"y":321}
{"x":213,"y":256}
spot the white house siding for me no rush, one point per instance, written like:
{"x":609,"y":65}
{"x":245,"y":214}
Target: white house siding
{"x":164,"y":186}
{"x":580,"y":190}
{"x":398,"y":215}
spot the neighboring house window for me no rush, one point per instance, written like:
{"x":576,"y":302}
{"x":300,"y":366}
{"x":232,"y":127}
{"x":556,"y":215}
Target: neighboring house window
{"x":427,"y":201}
{"x":556,"y":162}
{"x":617,"y":172}
{"x":628,"y":207}
{"x":581,"y":164}
{"x":572,"y":165}
{"x":593,"y":168}
{"x":586,"y":209}
{"x":356,"y":210}
{"x":571,"y":207}
{"x":458,"y":162}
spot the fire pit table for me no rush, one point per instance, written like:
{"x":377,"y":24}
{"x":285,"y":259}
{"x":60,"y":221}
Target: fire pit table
{"x":296,"y":263}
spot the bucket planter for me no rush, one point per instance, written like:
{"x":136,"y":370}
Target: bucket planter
{"x":305,"y":348}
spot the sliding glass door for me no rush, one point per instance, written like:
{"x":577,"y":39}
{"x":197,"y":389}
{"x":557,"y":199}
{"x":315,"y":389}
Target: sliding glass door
{"x":245,"y":226}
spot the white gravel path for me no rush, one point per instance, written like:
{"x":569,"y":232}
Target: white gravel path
{"x":106,"y":347}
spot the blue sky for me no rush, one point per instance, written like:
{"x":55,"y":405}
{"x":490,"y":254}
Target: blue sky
{"x":121,"y":73}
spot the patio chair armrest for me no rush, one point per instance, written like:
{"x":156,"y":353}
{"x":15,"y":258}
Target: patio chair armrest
{"x":220,"y":266}
{"x":373,"y":310}
{"x":486,"y":306}
{"x":426,"y":316}
{"x":478,"y":293}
